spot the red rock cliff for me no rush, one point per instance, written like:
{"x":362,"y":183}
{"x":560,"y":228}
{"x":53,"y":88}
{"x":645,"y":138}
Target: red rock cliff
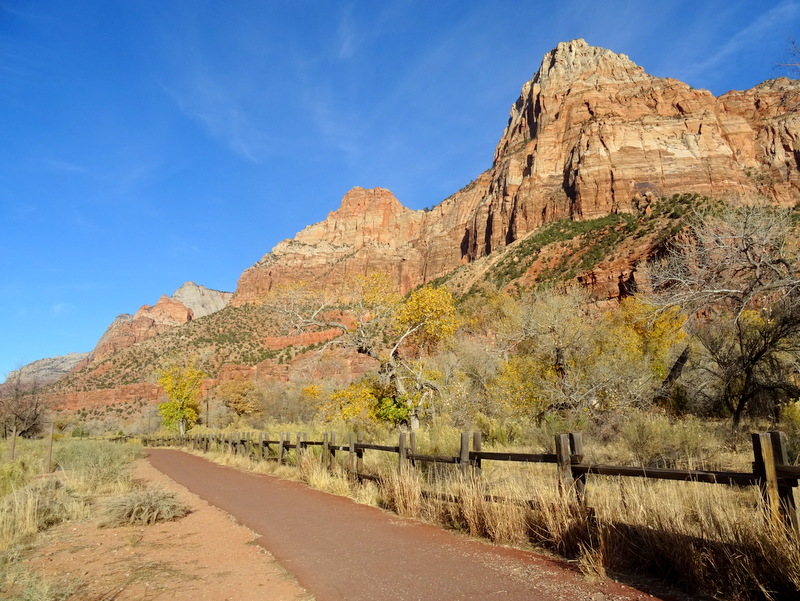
{"x":588,"y":135}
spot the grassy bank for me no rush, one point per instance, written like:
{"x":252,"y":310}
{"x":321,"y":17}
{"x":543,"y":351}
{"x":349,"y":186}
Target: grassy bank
{"x":34,"y":499}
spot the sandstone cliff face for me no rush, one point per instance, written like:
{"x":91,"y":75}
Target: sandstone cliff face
{"x":589,"y":135}
{"x":592,"y":131}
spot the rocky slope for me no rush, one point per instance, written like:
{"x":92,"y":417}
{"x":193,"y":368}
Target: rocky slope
{"x":591,"y":134}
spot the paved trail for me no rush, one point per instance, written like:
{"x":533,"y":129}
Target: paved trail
{"x":340,"y":550}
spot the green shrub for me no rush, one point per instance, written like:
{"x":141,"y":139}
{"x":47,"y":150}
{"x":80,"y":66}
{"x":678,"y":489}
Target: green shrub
{"x":655,"y":441}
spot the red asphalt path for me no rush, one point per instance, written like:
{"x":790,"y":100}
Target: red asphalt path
{"x":340,"y":550}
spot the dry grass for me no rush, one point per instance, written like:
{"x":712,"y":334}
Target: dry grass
{"x":704,"y":538}
{"x":35,"y":507}
{"x":143,"y":507}
{"x":34,"y":501}
{"x":707,"y":537}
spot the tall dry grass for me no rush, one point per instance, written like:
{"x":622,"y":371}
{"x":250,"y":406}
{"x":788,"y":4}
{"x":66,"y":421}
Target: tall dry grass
{"x":35,"y":501}
{"x":709,"y":539}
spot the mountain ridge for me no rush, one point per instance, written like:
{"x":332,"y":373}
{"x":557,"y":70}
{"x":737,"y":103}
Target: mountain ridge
{"x":590,"y":135}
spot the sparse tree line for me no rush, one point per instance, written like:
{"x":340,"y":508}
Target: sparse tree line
{"x":717,"y":335}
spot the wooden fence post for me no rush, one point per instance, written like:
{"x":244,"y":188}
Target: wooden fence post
{"x":463,"y":459}
{"x":576,"y":450}
{"x":332,"y":449}
{"x":359,"y":455}
{"x":788,"y":503}
{"x":764,"y":468}
{"x":49,"y":467}
{"x":13,"y":452}
{"x":280,"y":448}
{"x":477,"y":444}
{"x":324,"y":449}
{"x":351,"y":457}
{"x":563,"y":464}
{"x":403,"y":453}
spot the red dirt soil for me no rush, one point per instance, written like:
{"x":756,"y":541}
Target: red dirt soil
{"x":338,"y":549}
{"x":204,"y":556}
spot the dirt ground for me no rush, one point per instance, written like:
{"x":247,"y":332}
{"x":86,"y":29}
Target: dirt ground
{"x":203,"y":556}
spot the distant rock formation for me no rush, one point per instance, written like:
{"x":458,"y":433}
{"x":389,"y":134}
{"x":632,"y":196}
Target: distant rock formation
{"x":200,"y":300}
{"x":44,"y":371}
{"x":188,"y":302}
{"x":591,"y":134}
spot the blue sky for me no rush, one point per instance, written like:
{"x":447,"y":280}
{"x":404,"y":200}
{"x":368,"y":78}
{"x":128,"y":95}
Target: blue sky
{"x":148,"y":143}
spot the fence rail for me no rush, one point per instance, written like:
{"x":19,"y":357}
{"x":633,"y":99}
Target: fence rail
{"x":771,"y":470}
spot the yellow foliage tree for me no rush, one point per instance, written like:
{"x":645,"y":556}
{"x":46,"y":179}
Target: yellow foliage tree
{"x":366,"y":401}
{"x":517,"y":386}
{"x":351,"y":404}
{"x":646,"y":331}
{"x":237,"y":396}
{"x":181,"y":385}
{"x":427,"y":317}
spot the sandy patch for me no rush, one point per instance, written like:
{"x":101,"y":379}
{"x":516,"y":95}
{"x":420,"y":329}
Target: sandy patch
{"x":203,"y":556}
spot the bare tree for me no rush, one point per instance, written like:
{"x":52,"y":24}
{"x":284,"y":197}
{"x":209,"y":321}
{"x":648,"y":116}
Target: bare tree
{"x":369,"y":317}
{"x":22,"y":408}
{"x":736,"y":272}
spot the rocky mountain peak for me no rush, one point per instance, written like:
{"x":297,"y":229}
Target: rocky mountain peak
{"x":200,"y":300}
{"x":590,"y":134}
{"x":360,"y":201}
{"x":578,"y":63}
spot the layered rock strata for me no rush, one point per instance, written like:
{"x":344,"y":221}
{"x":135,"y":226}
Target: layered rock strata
{"x":590,"y":134}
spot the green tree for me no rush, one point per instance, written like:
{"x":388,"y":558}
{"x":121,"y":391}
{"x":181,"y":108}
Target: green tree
{"x":181,"y":385}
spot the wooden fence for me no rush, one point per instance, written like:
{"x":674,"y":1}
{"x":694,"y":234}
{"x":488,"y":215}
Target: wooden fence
{"x":771,"y":470}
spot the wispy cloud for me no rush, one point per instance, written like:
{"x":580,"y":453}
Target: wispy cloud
{"x":221,"y":114}
{"x":64,"y":166}
{"x":750,"y":36}
{"x":347,"y":32}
